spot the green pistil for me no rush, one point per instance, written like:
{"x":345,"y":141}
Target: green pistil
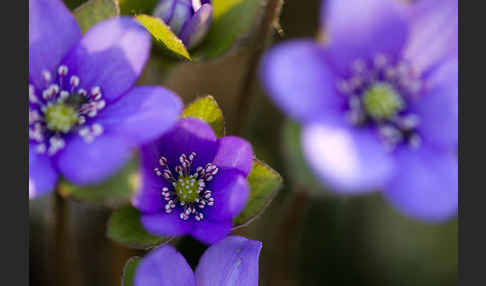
{"x":60,"y":117}
{"x":381,"y":101}
{"x":186,"y":189}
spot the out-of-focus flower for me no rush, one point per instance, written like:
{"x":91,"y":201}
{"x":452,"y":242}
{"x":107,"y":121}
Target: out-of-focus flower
{"x":231,"y":261}
{"x":378,"y":102}
{"x":190,"y":20}
{"x":192,"y":182}
{"x":84,"y":114}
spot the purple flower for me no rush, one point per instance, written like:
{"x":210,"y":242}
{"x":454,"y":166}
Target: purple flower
{"x":192,"y":182}
{"x":85,"y":116}
{"x":378,"y":102}
{"x":231,"y":261}
{"x":190,"y":20}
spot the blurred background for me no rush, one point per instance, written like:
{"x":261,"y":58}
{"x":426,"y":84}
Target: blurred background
{"x":309,"y":236}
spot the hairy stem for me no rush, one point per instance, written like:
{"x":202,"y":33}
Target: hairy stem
{"x":260,"y":40}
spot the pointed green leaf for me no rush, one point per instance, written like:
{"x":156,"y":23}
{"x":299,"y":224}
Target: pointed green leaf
{"x":264,"y":183}
{"x":207,"y":109}
{"x":232,"y":20}
{"x":111,"y":193}
{"x":125,"y":228}
{"x":129,"y":270}
{"x":164,"y":37}
{"x":95,"y":11}
{"x":135,"y":7}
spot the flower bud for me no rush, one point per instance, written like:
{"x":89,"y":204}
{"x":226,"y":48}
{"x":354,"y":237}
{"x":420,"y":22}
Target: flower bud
{"x":188,"y":19}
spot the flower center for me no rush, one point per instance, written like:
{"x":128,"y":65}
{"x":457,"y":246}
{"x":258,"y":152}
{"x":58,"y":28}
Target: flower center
{"x":60,"y":117}
{"x":378,"y":92}
{"x":381,"y":101}
{"x":61,"y":107}
{"x":187,"y":192}
{"x":187,"y":189}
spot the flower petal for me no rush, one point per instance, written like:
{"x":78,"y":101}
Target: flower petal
{"x":358,"y":29}
{"x":234,"y":152}
{"x":42,"y":175}
{"x":189,"y":135}
{"x":164,"y":266}
{"x":181,"y":13}
{"x":230,"y":191}
{"x":142,"y":114}
{"x":438,"y":107}
{"x":232,"y":261}
{"x":209,"y":232}
{"x":296,"y":77}
{"x":90,"y":163}
{"x":166,"y":224}
{"x":164,"y":10}
{"x":148,"y":197}
{"x":426,"y":188}
{"x":111,"y":55}
{"x":434,"y":32}
{"x":348,"y":160}
{"x":53,"y":31}
{"x":195,"y":29}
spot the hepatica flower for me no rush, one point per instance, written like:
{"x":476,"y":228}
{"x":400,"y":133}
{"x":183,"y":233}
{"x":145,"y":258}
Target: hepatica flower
{"x":192,"y":182}
{"x":190,"y":20}
{"x":84,"y":114}
{"x":378,"y":102}
{"x":232,"y":261}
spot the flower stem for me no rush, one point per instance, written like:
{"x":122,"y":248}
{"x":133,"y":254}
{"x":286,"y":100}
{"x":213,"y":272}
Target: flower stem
{"x":260,"y":40}
{"x":63,"y":248}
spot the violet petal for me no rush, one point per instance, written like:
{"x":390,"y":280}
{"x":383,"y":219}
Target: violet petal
{"x":111,"y":55}
{"x":232,"y":261}
{"x":53,"y":31}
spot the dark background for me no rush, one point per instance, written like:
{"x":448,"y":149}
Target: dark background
{"x":309,"y":237}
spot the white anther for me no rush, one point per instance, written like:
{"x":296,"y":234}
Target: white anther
{"x":46,"y":75}
{"x":74,"y":81}
{"x":62,"y":70}
{"x":63,"y":95}
{"x":380,"y":61}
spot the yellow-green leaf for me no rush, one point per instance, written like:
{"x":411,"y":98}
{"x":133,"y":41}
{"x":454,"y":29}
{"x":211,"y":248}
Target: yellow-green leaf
{"x":164,"y":37}
{"x":95,"y":11}
{"x":264,"y":183}
{"x":207,"y":109}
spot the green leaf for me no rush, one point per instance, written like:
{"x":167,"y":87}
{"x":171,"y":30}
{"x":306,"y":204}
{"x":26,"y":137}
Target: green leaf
{"x":95,"y":11}
{"x":207,"y":109}
{"x":124,"y":227}
{"x":232,"y":20}
{"x":112,"y":193}
{"x":164,"y":37}
{"x":129,"y":270}
{"x":264,"y":183}
{"x":134,"y":7}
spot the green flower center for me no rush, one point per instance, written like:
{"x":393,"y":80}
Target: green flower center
{"x":381,"y":101}
{"x":187,"y":189}
{"x":61,"y":117}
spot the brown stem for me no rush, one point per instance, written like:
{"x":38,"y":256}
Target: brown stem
{"x":272,"y":11}
{"x":283,"y":273}
{"x":64,"y":252}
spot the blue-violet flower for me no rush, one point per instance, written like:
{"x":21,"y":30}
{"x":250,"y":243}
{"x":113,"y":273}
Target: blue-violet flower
{"x":192,"y":182}
{"x":84,"y":114}
{"x":231,"y":261}
{"x":378,"y":101}
{"x":190,"y":20}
